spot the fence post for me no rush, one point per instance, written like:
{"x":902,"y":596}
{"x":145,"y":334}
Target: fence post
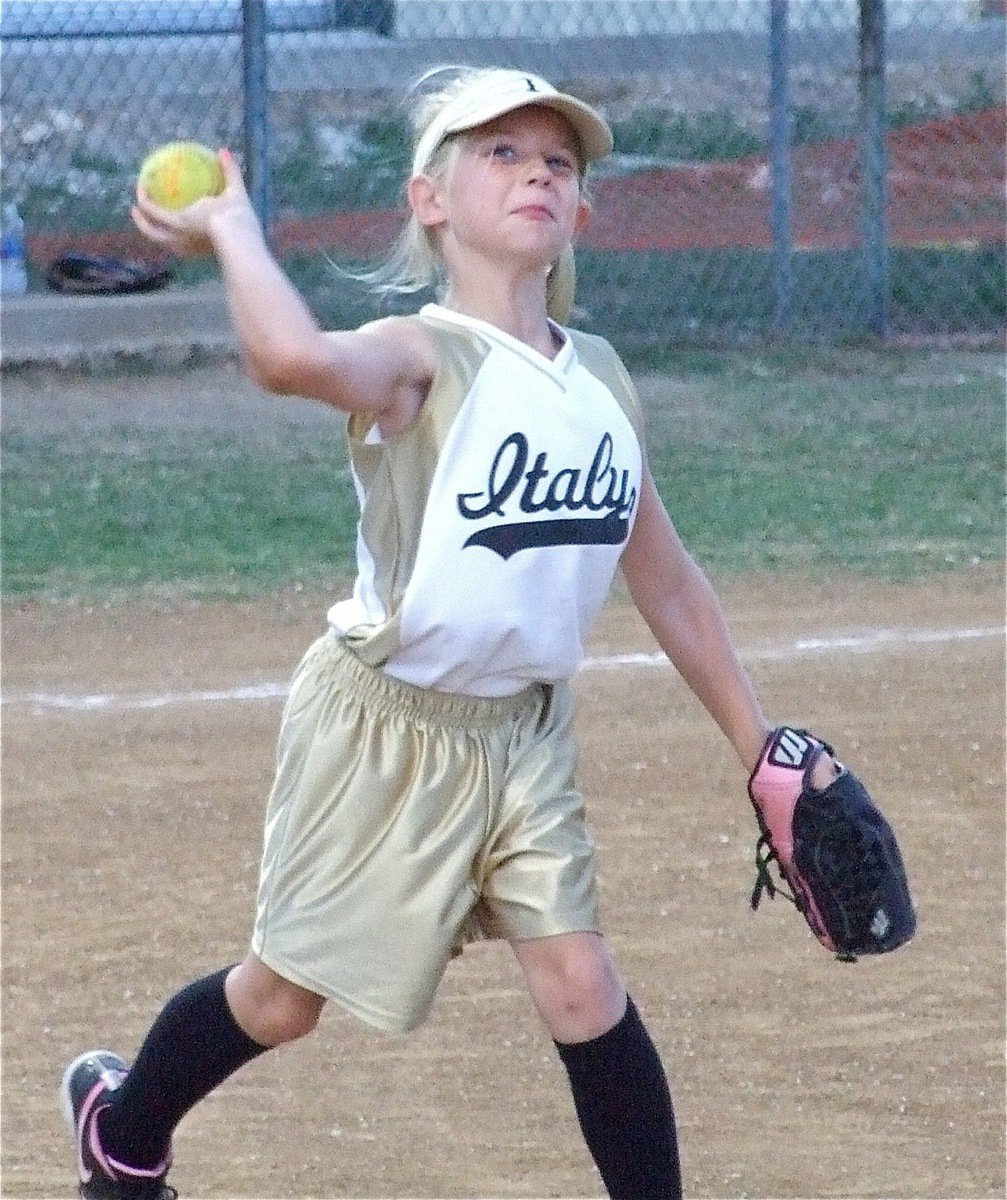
{"x":255,"y":105}
{"x":779,"y":135}
{"x":874,"y":163}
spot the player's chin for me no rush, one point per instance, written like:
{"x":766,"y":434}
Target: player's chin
{"x":547,"y":237}
{"x":540,"y":243}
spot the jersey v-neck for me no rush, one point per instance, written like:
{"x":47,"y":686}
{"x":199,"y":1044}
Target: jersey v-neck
{"x":558,"y":368}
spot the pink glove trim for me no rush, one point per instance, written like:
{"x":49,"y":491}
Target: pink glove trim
{"x":781,"y":774}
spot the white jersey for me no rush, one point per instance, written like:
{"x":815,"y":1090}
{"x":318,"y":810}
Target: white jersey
{"x":492,"y":526}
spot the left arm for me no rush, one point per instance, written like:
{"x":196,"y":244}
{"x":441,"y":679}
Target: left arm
{"x":679,"y":604}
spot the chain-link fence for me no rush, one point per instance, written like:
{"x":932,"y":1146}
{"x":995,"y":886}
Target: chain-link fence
{"x":823,"y":168}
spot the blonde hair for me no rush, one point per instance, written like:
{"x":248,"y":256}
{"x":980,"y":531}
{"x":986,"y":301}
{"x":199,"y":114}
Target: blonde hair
{"x":415,"y":261}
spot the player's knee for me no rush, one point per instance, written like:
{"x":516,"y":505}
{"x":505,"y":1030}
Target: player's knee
{"x":577,"y":990}
{"x":270,"y":1009}
{"x":591,"y":998}
{"x":292,"y":1014}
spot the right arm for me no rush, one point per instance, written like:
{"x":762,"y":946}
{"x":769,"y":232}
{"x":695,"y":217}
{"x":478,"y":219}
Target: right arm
{"x":384,"y":368}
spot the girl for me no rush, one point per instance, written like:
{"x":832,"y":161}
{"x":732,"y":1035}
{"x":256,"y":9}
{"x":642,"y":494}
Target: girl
{"x":425,"y":792}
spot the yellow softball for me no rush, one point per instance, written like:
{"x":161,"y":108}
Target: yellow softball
{"x":179,"y":173}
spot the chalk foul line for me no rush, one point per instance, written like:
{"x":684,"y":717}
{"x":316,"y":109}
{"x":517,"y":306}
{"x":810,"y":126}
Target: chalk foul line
{"x":875,"y":640}
{"x":878,"y":639}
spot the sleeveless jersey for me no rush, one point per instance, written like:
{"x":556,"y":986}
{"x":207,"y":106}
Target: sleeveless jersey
{"x":490,"y":529}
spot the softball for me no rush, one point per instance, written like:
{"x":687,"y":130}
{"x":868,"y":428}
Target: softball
{"x":180,"y":173}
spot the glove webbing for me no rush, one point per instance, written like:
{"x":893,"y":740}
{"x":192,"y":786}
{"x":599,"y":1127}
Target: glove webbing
{"x":764,"y":882}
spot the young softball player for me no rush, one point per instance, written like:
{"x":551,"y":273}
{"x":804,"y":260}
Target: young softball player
{"x":425,"y":789}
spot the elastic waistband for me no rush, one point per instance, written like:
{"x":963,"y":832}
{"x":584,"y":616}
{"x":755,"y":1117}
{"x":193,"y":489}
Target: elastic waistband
{"x":423,"y":704}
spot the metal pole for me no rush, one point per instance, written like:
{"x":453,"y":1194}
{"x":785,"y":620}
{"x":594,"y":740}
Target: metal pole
{"x":874,"y":164}
{"x":254,"y":63}
{"x":779,"y":133}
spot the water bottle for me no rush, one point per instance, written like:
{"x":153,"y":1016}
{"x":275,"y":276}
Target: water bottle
{"x":13,"y":263}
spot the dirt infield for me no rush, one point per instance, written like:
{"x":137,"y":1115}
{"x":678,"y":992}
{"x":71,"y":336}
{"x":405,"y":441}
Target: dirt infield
{"x":132,"y":806}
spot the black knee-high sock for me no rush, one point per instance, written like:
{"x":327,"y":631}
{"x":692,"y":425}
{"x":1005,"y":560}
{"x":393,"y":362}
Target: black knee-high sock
{"x":193,"y":1046}
{"x":621,"y":1095}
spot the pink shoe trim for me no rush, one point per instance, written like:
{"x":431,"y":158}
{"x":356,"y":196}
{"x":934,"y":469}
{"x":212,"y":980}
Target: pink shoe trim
{"x":142,"y":1172}
{"x":114,"y":1169}
{"x":86,"y":1128}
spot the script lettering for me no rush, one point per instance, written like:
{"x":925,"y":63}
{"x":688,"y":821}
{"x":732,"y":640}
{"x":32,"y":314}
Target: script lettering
{"x":514,"y":487}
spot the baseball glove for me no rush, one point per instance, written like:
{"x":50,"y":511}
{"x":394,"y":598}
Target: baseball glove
{"x":832,"y":847}
{"x":89,"y":275}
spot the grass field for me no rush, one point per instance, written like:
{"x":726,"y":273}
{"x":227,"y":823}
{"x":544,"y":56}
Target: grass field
{"x":886,"y":464}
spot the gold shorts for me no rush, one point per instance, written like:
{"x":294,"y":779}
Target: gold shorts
{"x":404,"y":822}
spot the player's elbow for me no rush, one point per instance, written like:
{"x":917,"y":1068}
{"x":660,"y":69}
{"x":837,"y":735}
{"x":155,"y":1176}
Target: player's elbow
{"x":267,"y":375}
{"x":279,"y":368}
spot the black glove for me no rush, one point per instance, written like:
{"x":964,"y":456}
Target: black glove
{"x":832,"y":846}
